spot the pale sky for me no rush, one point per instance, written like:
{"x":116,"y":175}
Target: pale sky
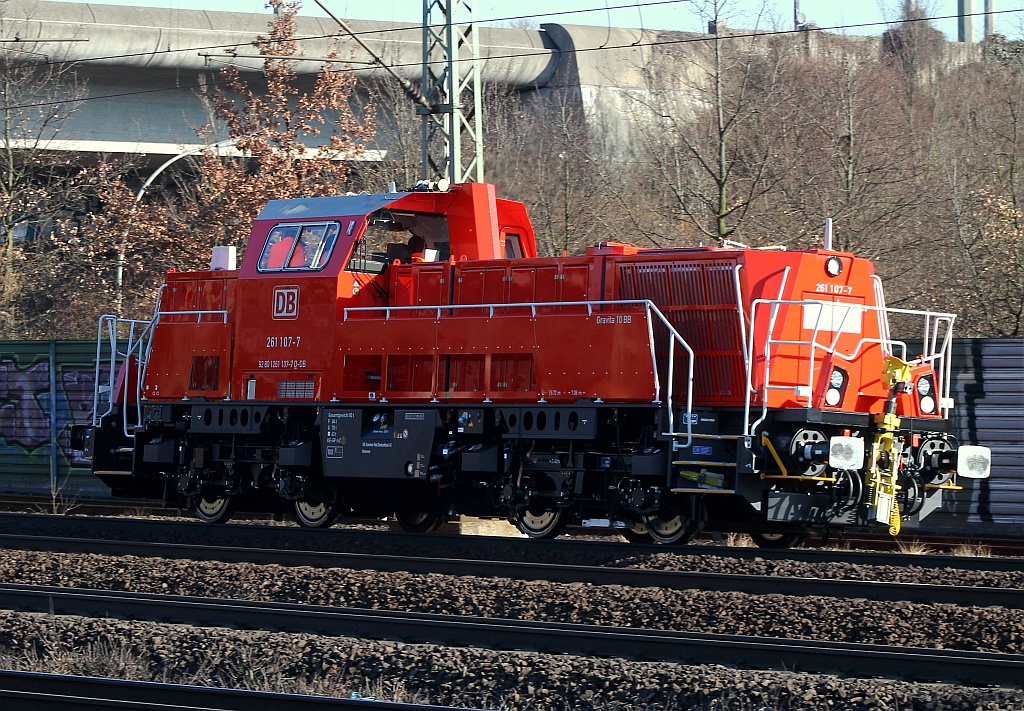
{"x":670,"y":15}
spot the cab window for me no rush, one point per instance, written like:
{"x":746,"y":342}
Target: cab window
{"x":298,"y":247}
{"x":513,"y":247}
{"x":393,"y":235}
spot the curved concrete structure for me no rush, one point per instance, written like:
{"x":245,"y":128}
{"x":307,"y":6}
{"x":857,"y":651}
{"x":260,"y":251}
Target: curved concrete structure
{"x":142,"y":67}
{"x":154,"y":38}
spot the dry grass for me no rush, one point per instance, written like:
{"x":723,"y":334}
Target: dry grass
{"x":914,"y":547}
{"x":251,"y":670}
{"x":739,"y":540}
{"x":839,"y":545}
{"x":248,"y":669}
{"x":138,"y":512}
{"x":60,"y":504}
{"x":100,"y":659}
{"x":971,"y":550}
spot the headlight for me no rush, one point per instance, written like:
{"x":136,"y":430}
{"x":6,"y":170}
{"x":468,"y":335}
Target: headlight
{"x":846,"y":453}
{"x":926,"y":394}
{"x":836,"y":387}
{"x":973,"y":462}
{"x":836,"y":380}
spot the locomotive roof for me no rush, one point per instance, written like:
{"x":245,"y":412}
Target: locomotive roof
{"x":332,"y":206}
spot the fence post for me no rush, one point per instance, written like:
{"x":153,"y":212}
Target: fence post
{"x":53,"y":417}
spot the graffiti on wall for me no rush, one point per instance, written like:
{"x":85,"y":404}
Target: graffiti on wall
{"x":25,"y":405}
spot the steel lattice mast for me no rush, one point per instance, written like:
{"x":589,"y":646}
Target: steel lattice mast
{"x":452,"y":137}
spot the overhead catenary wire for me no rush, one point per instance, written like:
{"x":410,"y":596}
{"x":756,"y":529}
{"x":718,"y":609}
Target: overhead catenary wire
{"x":363,"y":33}
{"x":757,"y":34}
{"x":513,"y":18}
{"x":411,"y":91}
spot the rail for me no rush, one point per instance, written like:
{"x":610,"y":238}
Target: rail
{"x":650,"y":309}
{"x":454,"y":560}
{"x":33,"y":691}
{"x":673,"y":646}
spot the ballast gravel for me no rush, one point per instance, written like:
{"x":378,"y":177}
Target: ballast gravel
{"x":464,"y":676}
{"x":483,"y":678}
{"x":830,"y":570}
{"x":839,"y":619}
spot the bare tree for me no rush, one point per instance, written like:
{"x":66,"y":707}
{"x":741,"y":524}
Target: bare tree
{"x":70,"y":272}
{"x":397,"y":137}
{"x":915,"y":45}
{"x":849,"y":153}
{"x":539,"y":152}
{"x":272,"y":125}
{"x":702,"y":123}
{"x":109,"y":247}
{"x":37,"y":96}
{"x":979,"y":160}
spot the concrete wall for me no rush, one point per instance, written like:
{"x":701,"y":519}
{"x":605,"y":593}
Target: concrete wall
{"x":148,"y":62}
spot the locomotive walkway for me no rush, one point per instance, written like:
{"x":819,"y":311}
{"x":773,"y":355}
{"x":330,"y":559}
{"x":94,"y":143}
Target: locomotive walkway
{"x":922,"y":664}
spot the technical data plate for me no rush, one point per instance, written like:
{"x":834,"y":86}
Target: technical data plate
{"x":377,"y":442}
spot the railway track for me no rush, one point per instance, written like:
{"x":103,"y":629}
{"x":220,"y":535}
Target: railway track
{"x":32,"y":691}
{"x":907,"y":663}
{"x":507,"y":550}
{"x":937,"y":542}
{"x":597,"y":575}
{"x":464,"y":560}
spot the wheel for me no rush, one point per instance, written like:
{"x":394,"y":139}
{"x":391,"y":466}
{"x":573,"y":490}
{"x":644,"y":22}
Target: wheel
{"x":418,"y":521}
{"x":544,"y":524}
{"x":315,"y":513}
{"x":775,"y":540}
{"x":212,"y":509}
{"x":637,"y":534}
{"x":667,"y":527}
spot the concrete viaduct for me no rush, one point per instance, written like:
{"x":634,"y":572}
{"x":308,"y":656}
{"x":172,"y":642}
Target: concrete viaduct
{"x":142,"y":65}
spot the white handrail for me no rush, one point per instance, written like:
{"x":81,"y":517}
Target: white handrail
{"x":749,"y":429}
{"x":936,"y":345}
{"x":883,"y":321}
{"x":650,"y":308}
{"x":742,"y":317}
{"x":109,"y":324}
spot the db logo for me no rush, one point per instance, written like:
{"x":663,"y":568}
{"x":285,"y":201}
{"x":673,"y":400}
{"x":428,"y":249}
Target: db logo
{"x":286,"y":302}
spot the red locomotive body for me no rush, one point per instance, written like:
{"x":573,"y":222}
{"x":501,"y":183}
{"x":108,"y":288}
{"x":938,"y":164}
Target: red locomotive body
{"x":409,"y":354}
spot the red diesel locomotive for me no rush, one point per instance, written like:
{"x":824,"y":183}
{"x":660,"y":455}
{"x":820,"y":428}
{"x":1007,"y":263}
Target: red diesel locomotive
{"x":408,"y":354}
